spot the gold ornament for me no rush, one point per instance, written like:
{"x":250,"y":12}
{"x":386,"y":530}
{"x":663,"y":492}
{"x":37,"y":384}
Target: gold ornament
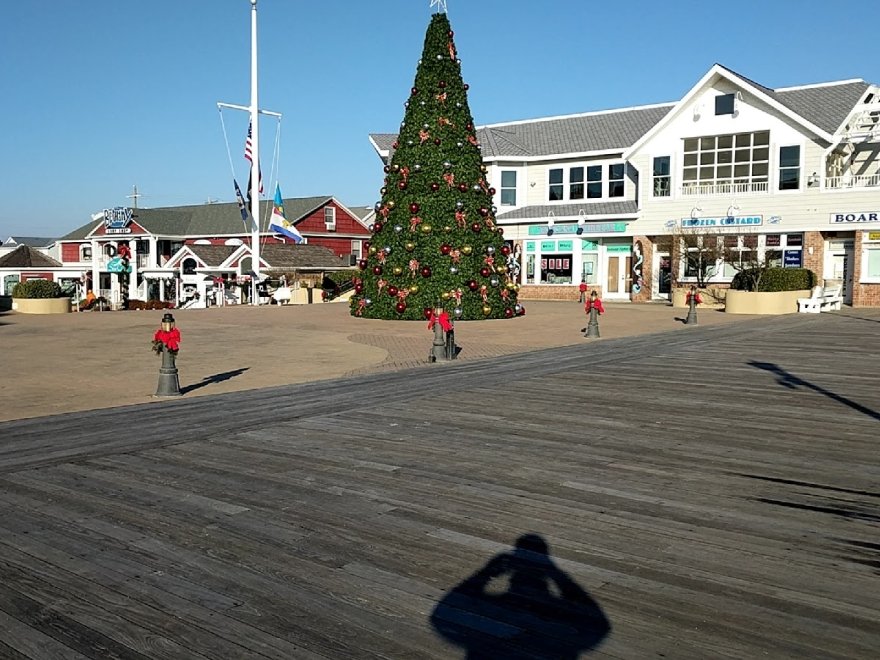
{"x":486,"y":310}
{"x":397,"y":270}
{"x":447,"y":228}
{"x":414,"y":288}
{"x":372,"y":249}
{"x":501,"y":269}
{"x":467,"y":249}
{"x":516,"y":287}
{"x":426,"y":229}
{"x":445,"y":295}
{"x":390,"y":204}
{"x":511,"y":284}
{"x":410,"y":246}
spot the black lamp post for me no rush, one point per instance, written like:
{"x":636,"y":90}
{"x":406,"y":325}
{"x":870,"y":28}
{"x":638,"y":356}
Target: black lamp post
{"x":169,"y":384}
{"x":593,"y":325}
{"x":692,"y":307}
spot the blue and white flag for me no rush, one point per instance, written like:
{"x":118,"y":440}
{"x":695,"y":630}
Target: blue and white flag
{"x":278,"y":223}
{"x":241,"y":205}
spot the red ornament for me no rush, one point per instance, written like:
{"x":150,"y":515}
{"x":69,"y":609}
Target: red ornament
{"x":508,"y":312}
{"x":437,"y":141}
{"x":358,"y":288}
{"x":427,"y":312}
{"x":386,"y":169}
{"x":484,"y":271}
{"x":472,"y":285}
{"x":362,"y":264}
{"x":466,"y":87}
{"x":484,"y":211}
{"x":367,"y":244}
{"x":414,"y":208}
{"x":426,"y":271}
{"x":377,"y":227}
{"x":377,"y":270}
{"x":491,"y":191}
{"x":392,"y":291}
{"x":414,"y":91}
{"x":476,"y":227}
{"x":441,"y":84}
{"x":435,"y":187}
{"x":451,"y":34}
{"x":400,"y":307}
{"x":395,"y":144}
{"x":462,"y":187}
{"x":505,"y":249}
{"x":445,"y":249}
{"x":401,"y":185}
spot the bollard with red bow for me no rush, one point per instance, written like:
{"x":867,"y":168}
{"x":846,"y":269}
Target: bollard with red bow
{"x":443,"y":347}
{"x":693,"y":299}
{"x":593,"y":308}
{"x":166,"y":342}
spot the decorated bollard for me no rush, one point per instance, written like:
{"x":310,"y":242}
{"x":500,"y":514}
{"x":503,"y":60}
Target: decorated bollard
{"x":593,"y":308}
{"x":443,"y":346}
{"x":693,"y":299}
{"x":166,"y":342}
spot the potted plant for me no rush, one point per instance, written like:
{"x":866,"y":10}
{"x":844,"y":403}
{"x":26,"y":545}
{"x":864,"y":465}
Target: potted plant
{"x":39,"y":296}
{"x":772,"y":291}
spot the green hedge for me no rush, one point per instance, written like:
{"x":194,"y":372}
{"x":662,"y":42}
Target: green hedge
{"x":775,"y":279}
{"x":37,"y":289}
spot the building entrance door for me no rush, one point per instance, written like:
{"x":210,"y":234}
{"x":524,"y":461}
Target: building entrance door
{"x":619,"y":276}
{"x":841,"y":268}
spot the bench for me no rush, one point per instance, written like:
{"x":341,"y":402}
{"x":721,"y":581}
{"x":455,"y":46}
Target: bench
{"x":821,"y":300}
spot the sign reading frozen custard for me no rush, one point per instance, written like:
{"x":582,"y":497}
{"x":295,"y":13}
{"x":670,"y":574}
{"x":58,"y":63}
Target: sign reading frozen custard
{"x":117,"y":221}
{"x":855,"y":218}
{"x":729,"y":221}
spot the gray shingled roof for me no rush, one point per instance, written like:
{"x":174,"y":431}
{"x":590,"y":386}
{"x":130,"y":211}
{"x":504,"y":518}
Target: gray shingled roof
{"x":625,"y":207}
{"x":826,"y":106}
{"x":605,"y":131}
{"x":24,"y":256}
{"x":213,"y":255}
{"x":284,"y":255}
{"x":205,"y":219}
{"x":29,"y":240}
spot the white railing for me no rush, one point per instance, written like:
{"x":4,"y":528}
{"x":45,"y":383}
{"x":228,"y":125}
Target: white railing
{"x":705,"y":189}
{"x":851,"y":181}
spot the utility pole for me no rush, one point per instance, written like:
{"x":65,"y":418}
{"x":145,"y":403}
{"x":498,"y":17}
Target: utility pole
{"x":135,"y":195}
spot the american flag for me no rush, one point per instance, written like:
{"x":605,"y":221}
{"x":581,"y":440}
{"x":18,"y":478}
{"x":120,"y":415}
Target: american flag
{"x":248,"y":154}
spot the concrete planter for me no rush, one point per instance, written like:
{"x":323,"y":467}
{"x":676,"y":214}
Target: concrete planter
{"x":41,"y":305}
{"x":777,"y":302}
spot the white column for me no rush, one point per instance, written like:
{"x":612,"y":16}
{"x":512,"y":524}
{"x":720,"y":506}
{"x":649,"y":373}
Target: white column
{"x":96,"y":269}
{"x":162,"y":289}
{"x":132,"y":277}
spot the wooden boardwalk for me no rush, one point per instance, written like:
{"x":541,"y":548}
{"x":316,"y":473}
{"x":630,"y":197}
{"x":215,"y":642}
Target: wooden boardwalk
{"x":713,"y":493}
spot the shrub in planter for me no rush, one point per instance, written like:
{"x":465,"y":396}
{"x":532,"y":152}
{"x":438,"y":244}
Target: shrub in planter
{"x":37,"y":289}
{"x":775,"y":279}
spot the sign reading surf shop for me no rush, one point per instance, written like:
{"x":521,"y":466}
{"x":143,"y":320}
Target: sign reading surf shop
{"x":854,"y":218}
{"x":117,"y":220}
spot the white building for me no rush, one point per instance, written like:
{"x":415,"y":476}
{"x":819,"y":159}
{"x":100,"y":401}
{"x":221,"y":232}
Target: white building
{"x":793,"y":173}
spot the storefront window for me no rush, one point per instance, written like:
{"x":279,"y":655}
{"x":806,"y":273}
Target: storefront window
{"x":590,"y":267}
{"x":556,"y":269}
{"x":871,"y":257}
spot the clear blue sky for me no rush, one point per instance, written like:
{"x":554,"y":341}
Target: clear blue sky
{"x":100,"y":95}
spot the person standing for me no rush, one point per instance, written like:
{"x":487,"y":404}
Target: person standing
{"x":583,"y":289}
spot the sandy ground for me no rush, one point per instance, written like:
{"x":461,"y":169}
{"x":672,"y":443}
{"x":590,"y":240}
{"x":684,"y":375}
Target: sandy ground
{"x":82,"y":361}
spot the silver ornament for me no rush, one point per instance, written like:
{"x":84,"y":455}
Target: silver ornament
{"x":458,"y":104}
{"x":409,"y":143}
{"x":398,"y":228}
{"x":367,"y":301}
{"x":417,"y":167}
{"x":453,"y":269}
{"x":457,"y":311}
{"x":459,"y":204}
{"x":439,"y":57}
{"x":476,"y":187}
{"x":493,"y":281}
{"x":421,"y":103}
{"x":459,"y":144}
{"x":447,"y":164}
{"x":387,"y":249}
{"x":426,"y":126}
{"x":490,"y":249}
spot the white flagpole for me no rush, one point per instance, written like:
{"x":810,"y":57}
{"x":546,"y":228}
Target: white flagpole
{"x":255,"y":163}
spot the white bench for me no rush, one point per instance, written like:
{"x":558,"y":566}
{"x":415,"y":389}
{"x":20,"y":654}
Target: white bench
{"x":821,"y":300}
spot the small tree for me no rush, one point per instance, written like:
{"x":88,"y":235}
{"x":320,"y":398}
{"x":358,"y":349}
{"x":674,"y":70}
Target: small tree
{"x":741,"y":254}
{"x":695,"y":252}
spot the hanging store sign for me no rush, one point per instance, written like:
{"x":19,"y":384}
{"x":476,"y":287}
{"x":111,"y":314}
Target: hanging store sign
{"x":588,"y":228}
{"x":729,"y":221}
{"x":852,"y":218}
{"x":874,"y":235}
{"x":117,"y":220}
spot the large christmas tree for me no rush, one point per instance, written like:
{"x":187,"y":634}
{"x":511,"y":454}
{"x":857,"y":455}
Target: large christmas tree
{"x":434,"y":239}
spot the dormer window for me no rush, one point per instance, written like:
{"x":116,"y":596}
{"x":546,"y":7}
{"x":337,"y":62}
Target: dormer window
{"x":725,"y":104}
{"x":330,"y":218}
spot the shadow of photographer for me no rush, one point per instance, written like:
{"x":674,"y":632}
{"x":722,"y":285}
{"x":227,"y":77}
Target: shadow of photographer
{"x":539,"y":613}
